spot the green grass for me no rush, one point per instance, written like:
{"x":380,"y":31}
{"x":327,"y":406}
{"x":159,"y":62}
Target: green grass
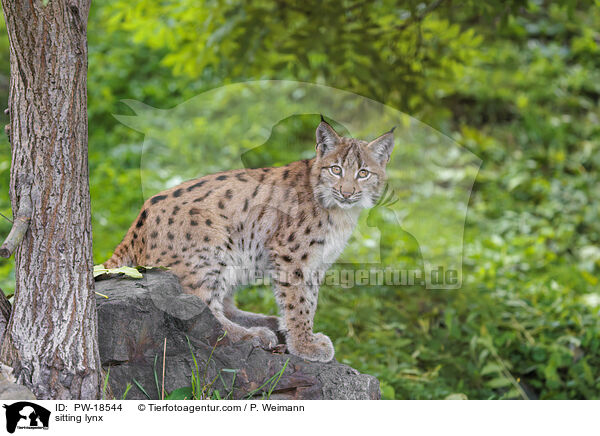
{"x":267,"y":388}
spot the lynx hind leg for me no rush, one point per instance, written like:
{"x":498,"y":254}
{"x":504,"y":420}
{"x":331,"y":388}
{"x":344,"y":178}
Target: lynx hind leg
{"x":259,"y":336}
{"x":248,"y":319}
{"x":210,"y":287}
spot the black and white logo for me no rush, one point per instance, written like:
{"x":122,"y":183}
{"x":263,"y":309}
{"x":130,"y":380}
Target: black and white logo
{"x":26,"y":415}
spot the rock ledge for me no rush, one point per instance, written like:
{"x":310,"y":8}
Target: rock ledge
{"x":138,"y":315}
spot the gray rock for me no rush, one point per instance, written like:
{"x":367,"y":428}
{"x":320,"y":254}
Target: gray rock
{"x":140,"y":313}
{"x":9,"y":390}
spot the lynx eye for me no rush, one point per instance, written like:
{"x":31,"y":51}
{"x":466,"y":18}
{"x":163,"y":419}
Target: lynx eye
{"x":335,"y":170}
{"x":362,"y":174}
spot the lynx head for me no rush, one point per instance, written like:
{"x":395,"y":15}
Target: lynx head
{"x":350,"y":173}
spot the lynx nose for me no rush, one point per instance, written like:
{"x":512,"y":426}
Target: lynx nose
{"x":347,"y":194}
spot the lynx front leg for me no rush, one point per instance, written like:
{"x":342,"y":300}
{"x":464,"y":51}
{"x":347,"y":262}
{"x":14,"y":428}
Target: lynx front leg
{"x":297,"y":300}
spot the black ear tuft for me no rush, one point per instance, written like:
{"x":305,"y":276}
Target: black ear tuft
{"x":322,"y":119}
{"x":327,"y":138}
{"x":382,"y":147}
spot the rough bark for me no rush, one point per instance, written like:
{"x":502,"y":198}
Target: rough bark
{"x":51,"y":340}
{"x":5,"y":311}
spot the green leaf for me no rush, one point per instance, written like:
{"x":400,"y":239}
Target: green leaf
{"x":491,"y":368}
{"x":456,"y":396}
{"x":127,"y":270}
{"x":184,"y":393}
{"x":499,"y":382}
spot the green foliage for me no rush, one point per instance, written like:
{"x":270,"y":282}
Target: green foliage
{"x":127,"y":389}
{"x":362,"y":46}
{"x":517,"y":83}
{"x":181,"y":394}
{"x":126,"y":270}
{"x":202,"y":388}
{"x":105,"y":384}
{"x":7,"y":276}
{"x":267,"y":388}
{"x":141,"y":388}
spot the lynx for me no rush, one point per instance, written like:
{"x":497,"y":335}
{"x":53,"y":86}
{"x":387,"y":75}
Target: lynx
{"x":291,"y":222}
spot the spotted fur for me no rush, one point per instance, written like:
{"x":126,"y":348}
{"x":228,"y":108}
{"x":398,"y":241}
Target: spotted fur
{"x":293,"y":222}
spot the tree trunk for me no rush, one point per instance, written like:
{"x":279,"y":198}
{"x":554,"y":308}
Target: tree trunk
{"x":5,"y":311}
{"x":51,"y":339}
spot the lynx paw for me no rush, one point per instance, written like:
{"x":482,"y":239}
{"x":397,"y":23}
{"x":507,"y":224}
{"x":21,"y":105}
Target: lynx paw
{"x":263,"y":337}
{"x":319,"y":348}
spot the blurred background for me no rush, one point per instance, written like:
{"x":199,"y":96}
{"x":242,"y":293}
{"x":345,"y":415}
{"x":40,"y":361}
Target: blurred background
{"x":517,"y":83}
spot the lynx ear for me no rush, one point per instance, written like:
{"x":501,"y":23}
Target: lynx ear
{"x":327,"y":138}
{"x":382,"y":147}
